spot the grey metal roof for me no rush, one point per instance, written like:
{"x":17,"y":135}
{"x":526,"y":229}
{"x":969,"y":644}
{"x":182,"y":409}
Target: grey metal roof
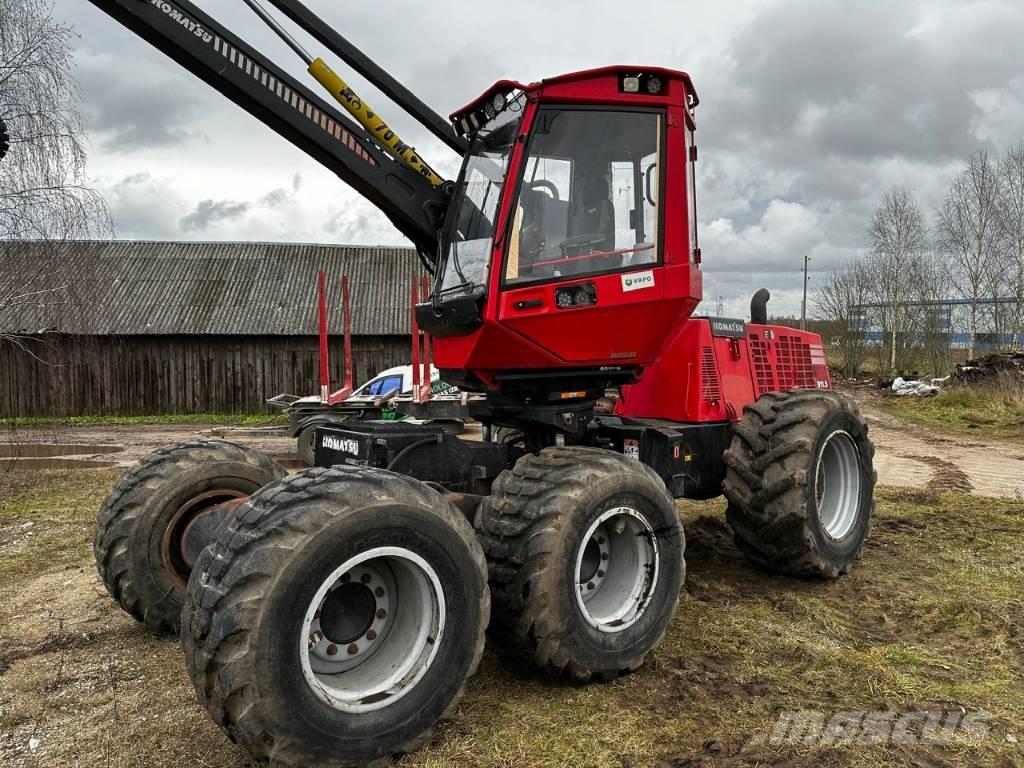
{"x":130,"y":287}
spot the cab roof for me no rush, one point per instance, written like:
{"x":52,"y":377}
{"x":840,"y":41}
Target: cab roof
{"x":504,"y":86}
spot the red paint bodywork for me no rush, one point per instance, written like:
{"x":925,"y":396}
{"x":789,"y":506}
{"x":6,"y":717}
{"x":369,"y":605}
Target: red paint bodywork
{"x":702,"y":377}
{"x":684,"y":372}
{"x":623,"y":329}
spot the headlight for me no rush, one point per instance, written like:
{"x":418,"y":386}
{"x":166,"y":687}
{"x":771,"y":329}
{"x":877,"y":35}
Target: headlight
{"x":631,"y":84}
{"x":653,"y":85}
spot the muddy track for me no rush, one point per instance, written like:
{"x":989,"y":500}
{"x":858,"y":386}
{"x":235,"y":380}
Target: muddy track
{"x":919,"y":457}
{"x":908,"y":455}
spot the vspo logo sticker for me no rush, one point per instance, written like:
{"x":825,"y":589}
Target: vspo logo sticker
{"x":637,"y":280}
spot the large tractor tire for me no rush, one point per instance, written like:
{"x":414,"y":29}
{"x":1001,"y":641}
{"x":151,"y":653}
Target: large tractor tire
{"x":585,"y":554}
{"x":336,"y":618}
{"x":306,"y":445}
{"x":139,"y":532}
{"x":800,"y":483}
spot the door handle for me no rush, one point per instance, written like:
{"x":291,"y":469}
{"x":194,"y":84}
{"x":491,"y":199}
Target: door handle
{"x":529,"y":304}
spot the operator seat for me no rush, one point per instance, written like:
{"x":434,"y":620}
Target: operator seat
{"x":591,"y":227}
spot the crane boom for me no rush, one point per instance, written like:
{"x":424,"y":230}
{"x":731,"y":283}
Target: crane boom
{"x":365,"y":66}
{"x":234,"y":68}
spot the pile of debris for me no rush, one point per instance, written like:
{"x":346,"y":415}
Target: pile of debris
{"x":988,"y":368}
{"x":902,"y":387}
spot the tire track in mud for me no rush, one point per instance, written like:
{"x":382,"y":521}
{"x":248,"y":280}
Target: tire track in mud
{"x":946,"y":476}
{"x":914,"y":456}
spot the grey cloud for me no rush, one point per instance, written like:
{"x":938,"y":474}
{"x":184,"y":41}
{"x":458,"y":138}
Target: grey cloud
{"x":810,"y":109}
{"x":275,"y":198}
{"x":142,"y":207}
{"x":128,"y":110}
{"x":212,"y":211}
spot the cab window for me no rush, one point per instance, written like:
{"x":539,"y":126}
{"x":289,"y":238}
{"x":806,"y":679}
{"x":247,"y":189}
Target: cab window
{"x":588,"y":200}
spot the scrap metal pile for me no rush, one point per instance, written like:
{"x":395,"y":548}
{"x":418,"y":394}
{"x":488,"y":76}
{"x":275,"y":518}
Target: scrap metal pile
{"x":988,"y":368}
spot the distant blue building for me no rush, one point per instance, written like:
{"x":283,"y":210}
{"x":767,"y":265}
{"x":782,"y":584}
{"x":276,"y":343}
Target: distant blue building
{"x":950,"y":318}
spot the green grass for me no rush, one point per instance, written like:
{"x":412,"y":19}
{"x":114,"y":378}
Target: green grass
{"x":47,"y":519}
{"x":989,"y":411}
{"x":931,"y":617}
{"x":252,"y":419}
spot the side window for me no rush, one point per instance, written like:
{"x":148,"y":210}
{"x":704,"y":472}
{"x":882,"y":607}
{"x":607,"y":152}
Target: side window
{"x":374,"y":388}
{"x":635,"y":197}
{"x":390,"y":384}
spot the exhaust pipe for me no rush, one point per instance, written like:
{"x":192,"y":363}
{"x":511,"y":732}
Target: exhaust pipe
{"x":759,"y":307}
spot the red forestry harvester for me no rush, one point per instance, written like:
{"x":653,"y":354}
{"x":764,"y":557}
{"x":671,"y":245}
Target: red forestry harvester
{"x":332,"y":616}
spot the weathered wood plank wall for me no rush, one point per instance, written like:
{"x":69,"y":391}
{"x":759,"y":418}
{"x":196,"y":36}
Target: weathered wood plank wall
{"x":142,"y":375}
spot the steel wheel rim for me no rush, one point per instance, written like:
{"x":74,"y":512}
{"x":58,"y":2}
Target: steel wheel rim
{"x":837,"y":485}
{"x":616,"y":570}
{"x":393,"y":646}
{"x":170,"y":541}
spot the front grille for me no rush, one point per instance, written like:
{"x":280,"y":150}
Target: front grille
{"x":793,"y":363}
{"x":781,"y":364}
{"x":763,"y":373}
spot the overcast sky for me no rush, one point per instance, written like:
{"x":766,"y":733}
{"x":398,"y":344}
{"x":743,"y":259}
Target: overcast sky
{"x":809,"y":108}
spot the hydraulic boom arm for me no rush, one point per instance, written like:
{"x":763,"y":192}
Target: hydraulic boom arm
{"x":234,"y":68}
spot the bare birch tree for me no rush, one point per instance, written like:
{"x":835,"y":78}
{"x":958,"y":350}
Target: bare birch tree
{"x":898,"y":238}
{"x":840,"y":299}
{"x":44,"y":193}
{"x":930,"y":288}
{"x":968,"y":230}
{"x":1011,"y":223}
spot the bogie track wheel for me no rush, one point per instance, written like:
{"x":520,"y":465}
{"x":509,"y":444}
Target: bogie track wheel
{"x":585,"y":553}
{"x":143,"y":525}
{"x":336,"y":618}
{"x":800,"y":483}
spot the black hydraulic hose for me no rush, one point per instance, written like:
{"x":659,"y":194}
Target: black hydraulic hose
{"x":411,"y":447}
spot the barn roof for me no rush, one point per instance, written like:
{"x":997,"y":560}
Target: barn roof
{"x":132,"y":288}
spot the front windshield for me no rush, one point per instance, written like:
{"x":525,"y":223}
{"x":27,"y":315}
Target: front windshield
{"x":475,"y":210}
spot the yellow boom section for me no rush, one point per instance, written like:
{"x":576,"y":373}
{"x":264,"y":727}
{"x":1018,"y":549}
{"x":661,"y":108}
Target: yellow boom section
{"x":370,"y":120}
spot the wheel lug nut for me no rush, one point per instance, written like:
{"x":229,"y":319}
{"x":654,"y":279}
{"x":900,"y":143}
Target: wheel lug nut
{"x":371,"y":635}
{"x":379,"y":591}
{"x":381,"y":613}
{"x":600,"y":573}
{"x":332,"y":649}
{"x":353,"y":649}
{"x":365,"y":578}
{"x":590,"y":585}
{"x":604,"y":555}
{"x":346,"y":578}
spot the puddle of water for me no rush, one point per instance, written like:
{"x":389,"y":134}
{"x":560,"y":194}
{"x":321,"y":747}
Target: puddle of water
{"x":51,"y":463}
{"x":42,"y":450}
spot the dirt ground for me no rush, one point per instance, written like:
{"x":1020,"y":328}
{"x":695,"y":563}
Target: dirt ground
{"x":931,"y":620}
{"x":907,"y":455}
{"x":920,"y":457}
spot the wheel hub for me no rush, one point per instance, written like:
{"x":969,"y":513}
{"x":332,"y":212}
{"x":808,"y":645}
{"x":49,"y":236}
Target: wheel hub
{"x":348,"y":613}
{"x":372,"y":629}
{"x":837,"y":485}
{"x":616,"y":570}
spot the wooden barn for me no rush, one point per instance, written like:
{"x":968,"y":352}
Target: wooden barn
{"x":133,"y":328}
